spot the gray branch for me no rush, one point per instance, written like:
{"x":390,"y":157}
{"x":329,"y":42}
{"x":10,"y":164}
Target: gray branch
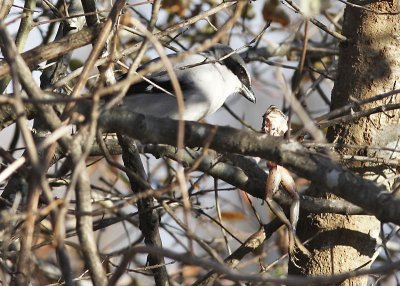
{"x":318,"y":168}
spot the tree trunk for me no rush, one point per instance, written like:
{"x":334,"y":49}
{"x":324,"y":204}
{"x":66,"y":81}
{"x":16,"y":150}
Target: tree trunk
{"x":369,"y":64}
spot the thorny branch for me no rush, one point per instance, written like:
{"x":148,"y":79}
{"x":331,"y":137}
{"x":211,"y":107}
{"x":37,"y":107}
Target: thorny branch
{"x":61,"y":187}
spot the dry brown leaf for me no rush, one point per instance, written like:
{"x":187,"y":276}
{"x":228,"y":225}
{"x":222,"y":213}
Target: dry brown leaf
{"x":175,"y":6}
{"x":273,"y":12}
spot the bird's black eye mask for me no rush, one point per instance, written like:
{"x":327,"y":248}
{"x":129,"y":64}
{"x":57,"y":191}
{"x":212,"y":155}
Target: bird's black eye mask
{"x":234,"y":62}
{"x":236,"y":65}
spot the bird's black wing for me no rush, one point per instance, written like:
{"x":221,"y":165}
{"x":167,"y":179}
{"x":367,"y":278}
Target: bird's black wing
{"x":158,"y":82}
{"x":156,"y":86}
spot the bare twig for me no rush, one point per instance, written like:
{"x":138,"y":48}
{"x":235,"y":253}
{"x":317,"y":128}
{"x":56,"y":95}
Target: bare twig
{"x":84,"y":224}
{"x":55,"y":49}
{"x":359,"y":114}
{"x":317,"y":23}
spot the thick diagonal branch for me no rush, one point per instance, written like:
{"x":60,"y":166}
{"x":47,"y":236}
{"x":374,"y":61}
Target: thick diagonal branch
{"x":316,"y":167}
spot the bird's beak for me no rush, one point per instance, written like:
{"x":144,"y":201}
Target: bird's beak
{"x":248,"y":93}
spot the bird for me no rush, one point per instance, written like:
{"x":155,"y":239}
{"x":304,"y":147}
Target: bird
{"x":207,"y":79}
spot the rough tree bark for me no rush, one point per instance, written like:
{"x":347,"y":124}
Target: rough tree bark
{"x":369,"y":64}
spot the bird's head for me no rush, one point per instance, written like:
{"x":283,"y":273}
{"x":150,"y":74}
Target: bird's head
{"x":235,"y":64}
